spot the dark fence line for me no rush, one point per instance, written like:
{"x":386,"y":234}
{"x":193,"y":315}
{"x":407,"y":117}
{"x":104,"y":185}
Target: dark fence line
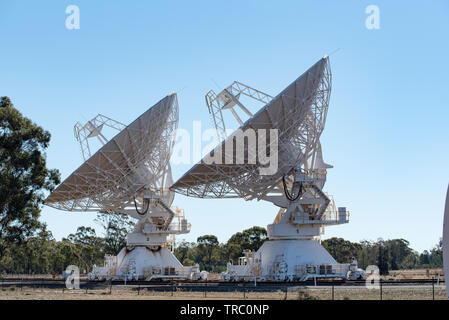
{"x":299,"y":290}
{"x":27,"y":279}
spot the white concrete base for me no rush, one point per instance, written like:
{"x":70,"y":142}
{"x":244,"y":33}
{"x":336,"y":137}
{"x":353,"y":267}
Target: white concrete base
{"x":291,"y":255}
{"x":142,"y":263}
{"x":294,"y":252}
{"x":288,"y":260}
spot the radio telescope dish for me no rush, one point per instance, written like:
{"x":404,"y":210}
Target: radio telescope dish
{"x":298,"y":113}
{"x":130,"y":174}
{"x":296,"y":174}
{"x":136,"y":157}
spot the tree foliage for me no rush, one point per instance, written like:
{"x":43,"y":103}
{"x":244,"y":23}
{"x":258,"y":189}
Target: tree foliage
{"x":213,"y":256}
{"x":342,"y":250}
{"x":116,"y":226}
{"x":394,"y":254}
{"x":388,"y":255}
{"x":43,"y":254}
{"x":249,"y":239}
{"x":24,"y":177}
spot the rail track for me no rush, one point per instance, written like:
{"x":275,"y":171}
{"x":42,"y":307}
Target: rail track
{"x":170,"y":285}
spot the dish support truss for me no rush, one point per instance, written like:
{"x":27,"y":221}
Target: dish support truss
{"x":304,"y":208}
{"x":298,"y":113}
{"x":93,"y":128}
{"x":132,"y":176}
{"x":227,"y":99}
{"x":151,"y":203}
{"x":137,"y":158}
{"x":305,"y":176}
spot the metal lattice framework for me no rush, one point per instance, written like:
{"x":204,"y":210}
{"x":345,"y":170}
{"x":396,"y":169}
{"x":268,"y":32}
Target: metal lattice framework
{"x":136,"y":158}
{"x":227,"y":99}
{"x":298,"y":113}
{"x":92,"y":129}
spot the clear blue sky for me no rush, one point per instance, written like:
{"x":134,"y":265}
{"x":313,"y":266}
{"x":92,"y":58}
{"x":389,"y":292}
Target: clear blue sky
{"x":387,"y":127}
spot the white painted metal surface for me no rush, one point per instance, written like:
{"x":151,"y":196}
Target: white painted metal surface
{"x":298,"y":113}
{"x":446,"y":243}
{"x":131,"y":174}
{"x":136,"y":157}
{"x":227,"y":99}
{"x":290,"y":260}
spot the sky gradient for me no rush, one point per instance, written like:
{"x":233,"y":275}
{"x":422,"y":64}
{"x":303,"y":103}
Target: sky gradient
{"x":387,"y":128}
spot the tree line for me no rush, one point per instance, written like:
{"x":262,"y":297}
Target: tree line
{"x":42,"y":254}
{"x":388,"y":255}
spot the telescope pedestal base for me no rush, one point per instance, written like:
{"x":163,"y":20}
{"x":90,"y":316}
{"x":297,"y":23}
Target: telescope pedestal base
{"x":289,"y":260}
{"x":143,"y":263}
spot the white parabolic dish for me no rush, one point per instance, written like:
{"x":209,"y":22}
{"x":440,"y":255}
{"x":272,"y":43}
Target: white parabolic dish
{"x":293,"y":112}
{"x":136,"y":157}
{"x":298,"y":113}
{"x":132,"y":170}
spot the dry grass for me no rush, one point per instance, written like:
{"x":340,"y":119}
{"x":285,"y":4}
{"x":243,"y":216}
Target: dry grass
{"x":389,"y":292}
{"x":295,"y":293}
{"x":394,"y":274}
{"x":127,"y":294}
{"x":415,"y":274}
